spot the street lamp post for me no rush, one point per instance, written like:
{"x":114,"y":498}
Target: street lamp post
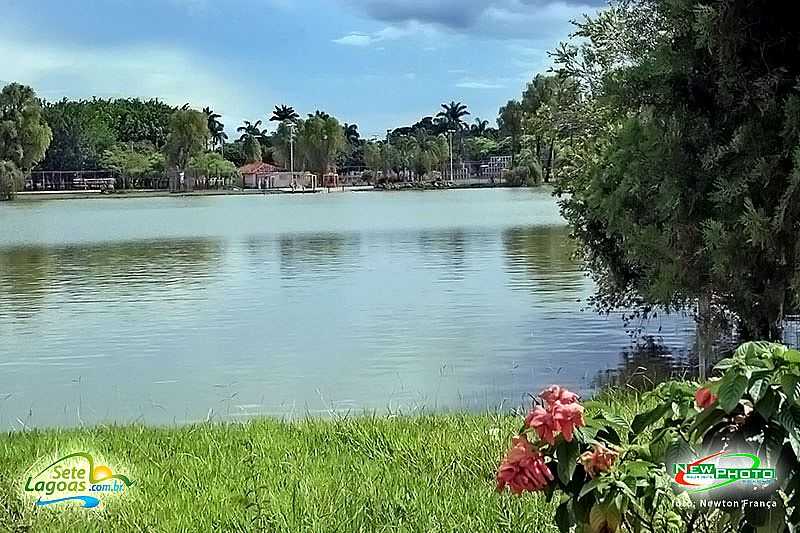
{"x":386,"y":157}
{"x":291,"y":153}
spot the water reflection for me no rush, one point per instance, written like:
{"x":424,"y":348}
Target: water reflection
{"x":24,"y":280}
{"x":241,"y":307}
{"x":319,"y":254}
{"x":542,"y":259}
{"x":648,"y":362}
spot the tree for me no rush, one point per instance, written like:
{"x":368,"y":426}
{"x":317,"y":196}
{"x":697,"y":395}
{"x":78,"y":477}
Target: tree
{"x":24,"y":136}
{"x":379,"y":157}
{"x":133,"y":161}
{"x":431,"y":151}
{"x":252,"y":129}
{"x":80,"y":136}
{"x":351,"y":133}
{"x":479,"y":128}
{"x":187,"y":137}
{"x":452,"y":115}
{"x":11,"y":180}
{"x":234,"y":152}
{"x":216,"y":128}
{"x":252,"y":149}
{"x":687,"y":193}
{"x":480,"y":148}
{"x":284,"y":113}
{"x":509,"y":121}
{"x":212,"y":164}
{"x":320,"y":139}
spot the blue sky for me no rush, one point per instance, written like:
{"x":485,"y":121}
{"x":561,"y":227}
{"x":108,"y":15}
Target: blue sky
{"x":378,"y":63}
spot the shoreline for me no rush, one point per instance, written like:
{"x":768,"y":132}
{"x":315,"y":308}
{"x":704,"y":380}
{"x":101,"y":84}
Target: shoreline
{"x":39,"y":196}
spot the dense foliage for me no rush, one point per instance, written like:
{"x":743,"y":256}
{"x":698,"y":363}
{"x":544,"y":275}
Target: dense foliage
{"x":83,"y":130}
{"x":681,"y":157}
{"x":607,"y":474}
{"x":24,"y":136}
{"x":187,"y":137}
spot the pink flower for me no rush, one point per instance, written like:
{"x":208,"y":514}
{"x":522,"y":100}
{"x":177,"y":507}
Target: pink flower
{"x":598,"y":460}
{"x":523,"y":468}
{"x":544,"y":424}
{"x":704,"y":398}
{"x":554,"y":393}
{"x":567,"y":418}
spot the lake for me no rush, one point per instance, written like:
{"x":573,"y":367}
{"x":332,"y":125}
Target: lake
{"x":180,"y":309}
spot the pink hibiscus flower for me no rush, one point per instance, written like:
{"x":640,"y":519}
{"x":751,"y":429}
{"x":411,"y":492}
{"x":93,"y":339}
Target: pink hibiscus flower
{"x":523,"y":468}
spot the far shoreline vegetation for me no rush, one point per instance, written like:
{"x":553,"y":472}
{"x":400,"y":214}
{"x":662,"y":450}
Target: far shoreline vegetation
{"x":130,"y":144}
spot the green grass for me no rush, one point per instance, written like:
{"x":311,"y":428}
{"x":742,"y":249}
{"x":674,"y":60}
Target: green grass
{"x":425,"y":473}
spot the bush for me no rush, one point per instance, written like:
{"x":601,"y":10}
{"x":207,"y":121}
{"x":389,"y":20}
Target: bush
{"x":609,"y":474}
{"x":11,"y":180}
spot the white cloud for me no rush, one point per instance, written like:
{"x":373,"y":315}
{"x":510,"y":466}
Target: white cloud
{"x":145,"y":71}
{"x":355,"y":39}
{"x":481,"y":84}
{"x":395,"y":32}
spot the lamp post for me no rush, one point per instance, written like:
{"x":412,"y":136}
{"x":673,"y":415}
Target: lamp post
{"x":291,"y":153}
{"x":386,"y":156}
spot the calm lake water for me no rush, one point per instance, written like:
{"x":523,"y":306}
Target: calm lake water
{"x":169,"y":310}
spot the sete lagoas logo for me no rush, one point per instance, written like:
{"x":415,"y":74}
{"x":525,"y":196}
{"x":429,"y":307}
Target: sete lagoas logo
{"x":722,"y":469}
{"x":75,"y":478}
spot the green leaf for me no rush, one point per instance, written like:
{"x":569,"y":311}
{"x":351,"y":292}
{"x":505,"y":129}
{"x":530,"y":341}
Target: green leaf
{"x":567,"y":456}
{"x":791,"y":356}
{"x":592,"y":485}
{"x":637,"y":468}
{"x":644,"y":420}
{"x":564,"y":518}
{"x":759,"y":388}
{"x":731,"y":389}
{"x":768,"y":404}
{"x":789,"y":418}
{"x":791,"y":387}
{"x":660,"y":443}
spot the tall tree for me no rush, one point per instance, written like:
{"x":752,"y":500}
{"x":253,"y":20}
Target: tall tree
{"x":284,"y":113}
{"x":431,"y":151}
{"x":320,"y":139}
{"x":187,"y":137}
{"x":452,"y":115}
{"x":24,"y":136}
{"x":687,"y":193}
{"x":216,"y":129}
{"x":509,"y":121}
{"x":250,"y":128}
{"x":252,"y":149}
{"x":479,"y":127}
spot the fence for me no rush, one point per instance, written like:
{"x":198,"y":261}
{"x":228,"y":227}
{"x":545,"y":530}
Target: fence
{"x":791,"y":331}
{"x":60,"y":180}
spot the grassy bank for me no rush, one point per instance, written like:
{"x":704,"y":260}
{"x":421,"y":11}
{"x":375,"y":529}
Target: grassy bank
{"x":426,"y":473}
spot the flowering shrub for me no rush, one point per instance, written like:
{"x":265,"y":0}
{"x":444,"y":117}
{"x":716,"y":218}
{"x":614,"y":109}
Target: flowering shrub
{"x":608,"y":474}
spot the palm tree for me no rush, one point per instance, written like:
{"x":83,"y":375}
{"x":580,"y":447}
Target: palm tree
{"x":479,"y":128}
{"x":250,"y":128}
{"x":351,"y":133}
{"x":319,"y":114}
{"x":453,"y":114}
{"x":284,"y":113}
{"x":431,"y":151}
{"x":215,"y":128}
